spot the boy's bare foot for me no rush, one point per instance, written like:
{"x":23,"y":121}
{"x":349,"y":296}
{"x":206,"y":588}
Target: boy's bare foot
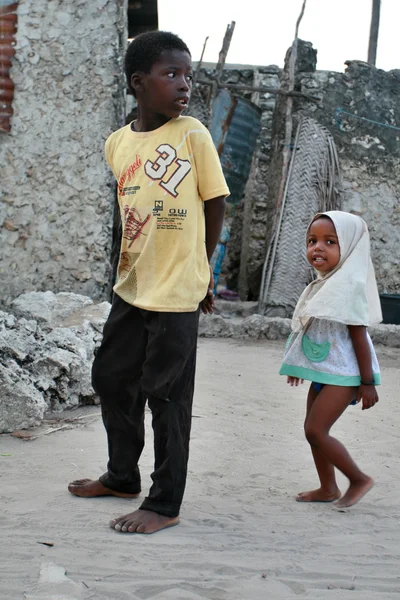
{"x":89,"y":488}
{"x":143,"y":521}
{"x":355,"y":492}
{"x":319,"y":495}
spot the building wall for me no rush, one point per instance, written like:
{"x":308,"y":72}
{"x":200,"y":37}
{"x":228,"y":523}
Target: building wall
{"x":57,"y":195}
{"x":369,"y":152}
{"x":369,"y":157}
{"x":250,"y":254}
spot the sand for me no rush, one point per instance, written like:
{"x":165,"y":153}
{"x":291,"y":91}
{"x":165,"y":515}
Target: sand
{"x":242,"y":535}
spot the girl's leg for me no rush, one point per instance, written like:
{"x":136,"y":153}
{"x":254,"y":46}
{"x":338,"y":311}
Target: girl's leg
{"x":327,"y":407}
{"x":328,"y":491}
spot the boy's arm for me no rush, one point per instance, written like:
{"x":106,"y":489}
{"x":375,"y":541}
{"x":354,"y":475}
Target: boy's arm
{"x":214,"y":212}
{"x":367,"y":392}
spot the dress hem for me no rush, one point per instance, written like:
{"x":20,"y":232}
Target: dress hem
{"x":326,"y":378}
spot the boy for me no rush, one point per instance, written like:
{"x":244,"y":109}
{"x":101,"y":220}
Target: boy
{"x":171,"y":193}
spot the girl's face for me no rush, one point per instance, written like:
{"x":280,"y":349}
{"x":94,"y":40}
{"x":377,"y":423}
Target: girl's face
{"x":323,"y":251}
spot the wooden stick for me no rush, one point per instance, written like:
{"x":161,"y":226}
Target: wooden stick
{"x":374,"y":32}
{"x":224,"y":50}
{"x":266,"y":90}
{"x":220,"y":65}
{"x":197,"y":72}
{"x":286,"y":153}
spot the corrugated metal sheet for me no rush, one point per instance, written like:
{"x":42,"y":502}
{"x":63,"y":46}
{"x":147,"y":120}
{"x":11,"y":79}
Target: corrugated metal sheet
{"x":234,"y":128}
{"x":8,"y":28}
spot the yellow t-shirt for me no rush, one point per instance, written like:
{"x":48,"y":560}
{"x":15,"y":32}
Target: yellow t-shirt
{"x":163,"y":177}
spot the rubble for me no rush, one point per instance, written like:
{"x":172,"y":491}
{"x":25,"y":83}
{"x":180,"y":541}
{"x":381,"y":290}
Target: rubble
{"x":47,"y":350}
{"x":238,"y":320}
{"x":47,"y":345}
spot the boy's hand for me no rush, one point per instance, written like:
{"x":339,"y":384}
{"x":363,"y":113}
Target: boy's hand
{"x":207,"y":305}
{"x":294,"y":381}
{"x":368,"y":395}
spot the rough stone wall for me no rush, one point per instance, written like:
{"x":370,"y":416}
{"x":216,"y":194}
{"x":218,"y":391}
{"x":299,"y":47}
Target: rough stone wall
{"x":369,"y":153}
{"x":369,"y":157}
{"x":57,"y":195}
{"x":251,"y":254}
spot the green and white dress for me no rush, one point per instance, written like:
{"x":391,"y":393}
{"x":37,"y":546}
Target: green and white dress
{"x":323,"y":352}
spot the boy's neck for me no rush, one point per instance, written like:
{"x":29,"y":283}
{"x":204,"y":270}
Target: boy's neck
{"x":149,"y":121}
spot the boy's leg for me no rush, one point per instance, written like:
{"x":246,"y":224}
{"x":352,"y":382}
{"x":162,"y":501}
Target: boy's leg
{"x":329,"y":491}
{"x":331,"y":402}
{"x":116,"y":375}
{"x":168,"y":379}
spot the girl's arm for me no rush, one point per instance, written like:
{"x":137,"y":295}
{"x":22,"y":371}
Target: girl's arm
{"x":367,"y":391}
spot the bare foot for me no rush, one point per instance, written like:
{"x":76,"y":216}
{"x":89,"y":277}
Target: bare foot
{"x":355,"y":492}
{"x":143,"y":521}
{"x":319,"y":495}
{"x":89,"y":488}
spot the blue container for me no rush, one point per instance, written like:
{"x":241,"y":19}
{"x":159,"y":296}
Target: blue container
{"x":390,"y":304}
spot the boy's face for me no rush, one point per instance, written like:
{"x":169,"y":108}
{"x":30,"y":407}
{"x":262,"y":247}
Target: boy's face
{"x":166,"y":89}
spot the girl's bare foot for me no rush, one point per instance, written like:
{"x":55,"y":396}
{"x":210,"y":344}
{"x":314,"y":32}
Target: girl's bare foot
{"x":319,"y":495}
{"x":143,"y":521}
{"x":89,"y":488}
{"x":355,"y":492}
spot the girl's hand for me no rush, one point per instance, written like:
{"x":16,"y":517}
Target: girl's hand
{"x":368,"y":395}
{"x":294,"y":381}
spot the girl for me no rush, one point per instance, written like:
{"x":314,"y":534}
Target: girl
{"x":330,"y":346}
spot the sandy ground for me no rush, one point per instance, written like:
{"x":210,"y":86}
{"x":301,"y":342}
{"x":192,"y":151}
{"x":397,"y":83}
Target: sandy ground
{"x":242,"y":536}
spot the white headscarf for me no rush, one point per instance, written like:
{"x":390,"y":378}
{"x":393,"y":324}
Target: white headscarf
{"x":347,"y":294}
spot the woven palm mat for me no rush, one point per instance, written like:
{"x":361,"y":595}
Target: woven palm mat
{"x":312,"y":187}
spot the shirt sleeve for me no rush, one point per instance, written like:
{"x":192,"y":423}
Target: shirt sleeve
{"x":108,"y":151}
{"x":210,"y":178}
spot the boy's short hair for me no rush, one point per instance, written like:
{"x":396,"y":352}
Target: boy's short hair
{"x":145,"y":50}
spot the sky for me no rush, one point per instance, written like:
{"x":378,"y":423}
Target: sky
{"x":338,"y":29}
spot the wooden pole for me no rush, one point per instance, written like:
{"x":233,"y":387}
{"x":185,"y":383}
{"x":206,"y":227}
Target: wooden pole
{"x":220,"y":64}
{"x":224,"y":50}
{"x":286,"y":162}
{"x":266,"y":90}
{"x":286,"y":153}
{"x":374,"y":32}
{"x":197,"y":72}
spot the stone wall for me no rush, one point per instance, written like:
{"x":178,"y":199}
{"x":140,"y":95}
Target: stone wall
{"x":361,"y":108}
{"x":369,"y":156}
{"x":57,"y":195}
{"x":252,"y":240}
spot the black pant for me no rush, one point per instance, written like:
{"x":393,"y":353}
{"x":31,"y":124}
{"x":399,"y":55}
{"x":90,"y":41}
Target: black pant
{"x":147,"y":355}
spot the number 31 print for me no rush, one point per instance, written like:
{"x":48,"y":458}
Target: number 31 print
{"x":157,"y":170}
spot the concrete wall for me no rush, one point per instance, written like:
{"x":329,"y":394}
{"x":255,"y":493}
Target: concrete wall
{"x":57,"y":196}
